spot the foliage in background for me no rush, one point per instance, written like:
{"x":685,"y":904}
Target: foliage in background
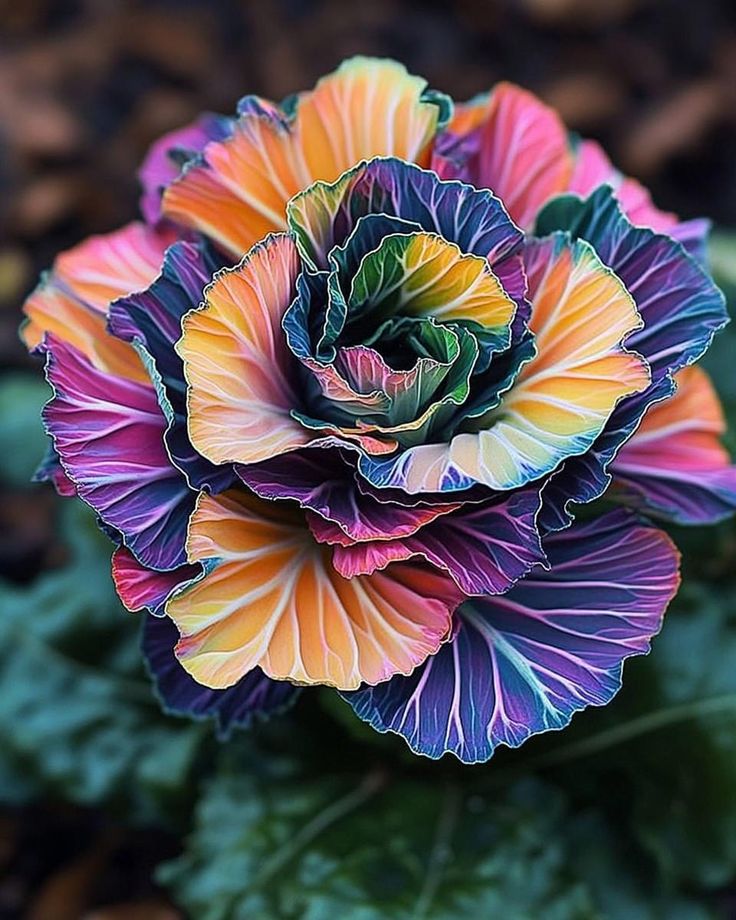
{"x":630,"y":813}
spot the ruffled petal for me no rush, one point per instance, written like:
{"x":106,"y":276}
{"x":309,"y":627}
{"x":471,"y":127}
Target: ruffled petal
{"x":404,"y":392}
{"x":367,"y":108}
{"x":584,"y":478}
{"x":253,"y":697}
{"x":681,"y":306}
{"x":108,"y":432}
{"x":141,"y":588}
{"x":485,"y":549}
{"x":237,"y":363}
{"x":693,"y":235}
{"x":674,"y":466}
{"x":324,"y":215}
{"x":106,"y":267}
{"x":526,"y":661}
{"x":422,"y":274}
{"x":386,"y":422}
{"x":50,"y":309}
{"x":511,"y":143}
{"x":152,"y":319}
{"x":271,"y":598}
{"x":682,"y":310}
{"x":322,"y":481}
{"x":72,"y":301}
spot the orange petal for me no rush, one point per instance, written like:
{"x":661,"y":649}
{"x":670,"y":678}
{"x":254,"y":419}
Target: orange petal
{"x":581,"y":313}
{"x":366,"y":108}
{"x":674,"y":465}
{"x":679,"y":434}
{"x":106,"y":267}
{"x":72,"y":301}
{"x":275,"y":601}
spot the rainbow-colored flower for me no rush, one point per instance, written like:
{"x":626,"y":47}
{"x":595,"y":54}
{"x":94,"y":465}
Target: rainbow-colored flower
{"x":337,"y":398}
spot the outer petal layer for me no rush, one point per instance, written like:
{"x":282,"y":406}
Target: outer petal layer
{"x":273,"y":600}
{"x":108,"y":432}
{"x":674,"y":466}
{"x":511,"y":143}
{"x":152,"y":320}
{"x":366,"y":108}
{"x":51,"y":470}
{"x":526,"y":661}
{"x":140,"y":588}
{"x":72,"y":302}
{"x":167,"y":156}
{"x":593,"y":169}
{"x":253,"y":697}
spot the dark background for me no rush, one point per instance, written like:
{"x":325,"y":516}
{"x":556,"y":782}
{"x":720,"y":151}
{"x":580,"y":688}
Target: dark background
{"x":86,"y":86}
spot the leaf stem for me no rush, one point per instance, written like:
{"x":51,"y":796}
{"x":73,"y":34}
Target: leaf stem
{"x":372,"y":783}
{"x":634,"y":728}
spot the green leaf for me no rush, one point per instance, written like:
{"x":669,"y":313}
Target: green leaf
{"x":370,"y":847}
{"x":76,"y":710}
{"x":300,"y":842}
{"x":684,"y":808}
{"x":621,"y":888}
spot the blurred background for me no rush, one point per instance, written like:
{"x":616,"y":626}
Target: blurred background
{"x":112,"y":811}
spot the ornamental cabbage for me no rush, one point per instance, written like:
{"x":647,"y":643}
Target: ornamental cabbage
{"x":338,"y":397}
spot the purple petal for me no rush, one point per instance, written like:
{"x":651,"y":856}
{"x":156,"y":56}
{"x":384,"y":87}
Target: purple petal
{"x":526,"y":661}
{"x":684,"y":496}
{"x":693,"y":235}
{"x":484,"y":548}
{"x":254,"y":696}
{"x":323,"y":481}
{"x":324,"y":215}
{"x":108,"y":432}
{"x":51,"y":470}
{"x":152,"y":319}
